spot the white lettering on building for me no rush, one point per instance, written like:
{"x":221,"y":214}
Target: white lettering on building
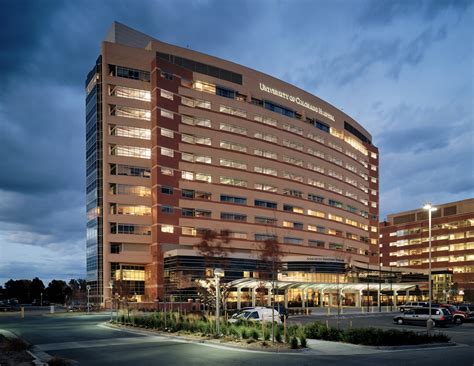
{"x":296,"y":100}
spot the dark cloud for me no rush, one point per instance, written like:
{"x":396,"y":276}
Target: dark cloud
{"x":383,"y":12}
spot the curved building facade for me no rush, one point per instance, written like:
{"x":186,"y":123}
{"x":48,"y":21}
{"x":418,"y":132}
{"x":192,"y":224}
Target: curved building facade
{"x":186,"y":142}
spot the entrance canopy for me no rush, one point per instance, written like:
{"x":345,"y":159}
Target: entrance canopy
{"x":253,"y":283}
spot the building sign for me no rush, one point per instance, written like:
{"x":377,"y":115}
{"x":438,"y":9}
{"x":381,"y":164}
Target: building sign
{"x":296,"y":100}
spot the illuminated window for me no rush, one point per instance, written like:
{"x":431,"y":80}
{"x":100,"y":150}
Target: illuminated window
{"x":266,"y":120}
{"x":167,"y":133}
{"x":166,"y":94}
{"x":129,"y":112}
{"x":232,"y":128}
{"x":265,"y":170}
{"x":188,"y":231}
{"x":293,"y":144}
{"x":166,"y":114}
{"x":167,"y":152}
{"x":233,"y":164}
{"x":266,"y":154}
{"x":233,"y":111}
{"x":133,"y":132}
{"x":293,"y":176}
{"x":316,"y":213}
{"x":130,"y":151}
{"x":291,"y":160}
{"x":233,"y":181}
{"x":166,"y":171}
{"x":265,"y":136}
{"x":167,"y":229}
{"x":315,"y":182}
{"x":129,"y":93}
{"x":233,"y":146}
{"x":265,"y":187}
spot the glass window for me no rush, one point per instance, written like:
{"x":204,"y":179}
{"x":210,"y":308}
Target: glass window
{"x":129,"y":93}
{"x":167,"y":209}
{"x":265,"y":170}
{"x":167,"y":229}
{"x":265,"y":187}
{"x":265,"y":136}
{"x":265,"y":220}
{"x":233,"y":216}
{"x":266,"y":153}
{"x":291,"y":240}
{"x":265,"y":204}
{"x":166,"y":94}
{"x":129,"y":112}
{"x":166,"y":132}
{"x":130,"y":151}
{"x":167,"y":152}
{"x":233,"y":128}
{"x":234,"y":199}
{"x":167,"y":190}
{"x":133,"y":132}
{"x":233,"y":164}
{"x":233,"y":111}
{"x":233,"y":146}
{"x":233,"y":181}
{"x":166,"y":114}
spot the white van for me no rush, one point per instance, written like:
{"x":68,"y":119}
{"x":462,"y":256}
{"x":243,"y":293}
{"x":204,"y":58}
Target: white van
{"x":257,"y":314}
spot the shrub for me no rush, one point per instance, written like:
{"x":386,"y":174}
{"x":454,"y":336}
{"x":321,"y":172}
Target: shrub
{"x":278,"y":337}
{"x":294,"y":342}
{"x":16,"y":345}
{"x":254,"y":334}
{"x":244,"y":333}
{"x":292,"y":330}
{"x":234,"y":331}
{"x":391,"y":337}
{"x":267,"y":335}
{"x":287,"y":338}
{"x":58,"y":361}
{"x":303,"y":341}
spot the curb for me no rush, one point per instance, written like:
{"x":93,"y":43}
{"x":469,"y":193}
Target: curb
{"x":417,"y":346}
{"x":207,"y":341}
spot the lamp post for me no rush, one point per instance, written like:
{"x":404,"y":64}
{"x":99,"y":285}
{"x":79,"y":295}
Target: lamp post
{"x":88,"y":287}
{"x":218,"y":273}
{"x":430,"y":209}
{"x":111,"y":286}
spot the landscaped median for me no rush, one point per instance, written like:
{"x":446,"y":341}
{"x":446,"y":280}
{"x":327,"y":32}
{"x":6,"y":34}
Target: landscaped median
{"x":253,"y":334}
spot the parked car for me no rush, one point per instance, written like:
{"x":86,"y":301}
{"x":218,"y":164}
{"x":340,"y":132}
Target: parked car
{"x":239,"y":312}
{"x":459,"y":317}
{"x":9,"y":305}
{"x":257,"y":314}
{"x":412,"y":305}
{"x":419,"y":316}
{"x":282,"y":311}
{"x":468,"y":309}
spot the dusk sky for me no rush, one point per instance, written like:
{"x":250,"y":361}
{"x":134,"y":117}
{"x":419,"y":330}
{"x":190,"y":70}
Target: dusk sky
{"x":403,"y":69}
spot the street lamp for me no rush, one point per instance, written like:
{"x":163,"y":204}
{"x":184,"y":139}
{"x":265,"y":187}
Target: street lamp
{"x":218,"y":273}
{"x":88,"y":287}
{"x":430,"y":209}
{"x":111,"y":286}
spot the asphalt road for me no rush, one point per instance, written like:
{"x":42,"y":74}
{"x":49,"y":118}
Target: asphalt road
{"x":86,"y":341}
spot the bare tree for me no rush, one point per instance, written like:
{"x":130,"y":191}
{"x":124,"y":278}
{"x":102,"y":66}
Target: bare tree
{"x":213,"y":246}
{"x":270,"y":256}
